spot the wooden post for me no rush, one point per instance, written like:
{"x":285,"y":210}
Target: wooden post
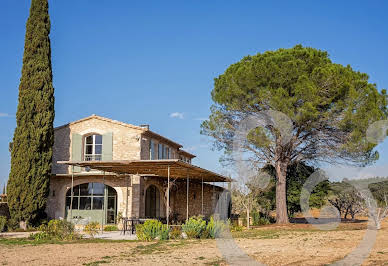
{"x":126,"y":200}
{"x":72,"y":192}
{"x":103,"y":206}
{"x":168,"y":195}
{"x":202,"y":196}
{"x":187,"y":198}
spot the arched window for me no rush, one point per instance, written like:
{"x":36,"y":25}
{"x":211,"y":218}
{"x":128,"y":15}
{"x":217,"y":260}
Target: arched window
{"x":93,"y":197}
{"x":93,"y":148}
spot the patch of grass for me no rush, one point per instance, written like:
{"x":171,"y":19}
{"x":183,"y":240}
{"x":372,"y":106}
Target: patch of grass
{"x":201,"y":258}
{"x":216,"y":262}
{"x":26,"y":241}
{"x":96,"y":263}
{"x":262,"y":234}
{"x":149,"y":248}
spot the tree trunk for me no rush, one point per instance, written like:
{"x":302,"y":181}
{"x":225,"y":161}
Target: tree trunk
{"x":23,"y":225}
{"x":346,"y":213}
{"x":248,"y":220}
{"x":378,"y":224}
{"x":281,"y":196}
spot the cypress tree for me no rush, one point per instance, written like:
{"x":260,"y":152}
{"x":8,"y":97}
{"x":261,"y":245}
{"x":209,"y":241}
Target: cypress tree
{"x":31,"y":154}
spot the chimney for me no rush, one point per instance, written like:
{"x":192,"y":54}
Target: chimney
{"x":145,"y":126}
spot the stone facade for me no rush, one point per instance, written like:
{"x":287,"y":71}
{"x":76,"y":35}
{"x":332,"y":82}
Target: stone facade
{"x":128,"y":143}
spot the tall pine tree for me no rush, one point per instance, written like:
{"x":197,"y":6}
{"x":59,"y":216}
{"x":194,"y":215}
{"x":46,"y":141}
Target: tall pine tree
{"x":31,"y":154}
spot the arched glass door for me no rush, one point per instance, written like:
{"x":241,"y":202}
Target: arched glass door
{"x":152,"y":202}
{"x":94,"y":202}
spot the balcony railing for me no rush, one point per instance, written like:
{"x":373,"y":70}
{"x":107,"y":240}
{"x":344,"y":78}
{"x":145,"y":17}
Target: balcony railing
{"x":93,"y":157}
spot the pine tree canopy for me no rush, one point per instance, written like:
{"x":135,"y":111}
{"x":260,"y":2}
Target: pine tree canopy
{"x":31,"y":154}
{"x":330,"y":105}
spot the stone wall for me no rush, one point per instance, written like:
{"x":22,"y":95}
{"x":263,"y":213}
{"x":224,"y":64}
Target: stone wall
{"x":59,"y":186}
{"x":126,"y":140}
{"x":137,"y":187}
{"x":178,"y":206}
{"x":145,"y":148}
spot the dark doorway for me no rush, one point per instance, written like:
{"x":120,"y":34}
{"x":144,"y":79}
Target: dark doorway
{"x":152,"y":202}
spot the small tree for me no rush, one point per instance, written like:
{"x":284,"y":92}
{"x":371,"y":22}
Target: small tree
{"x":378,"y":205}
{"x":379,"y":212}
{"x":244,"y":196}
{"x":347,"y":199}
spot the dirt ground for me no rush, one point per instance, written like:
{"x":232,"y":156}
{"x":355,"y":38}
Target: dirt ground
{"x":297,"y":244}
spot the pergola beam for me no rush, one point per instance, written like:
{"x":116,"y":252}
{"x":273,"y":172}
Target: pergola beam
{"x":178,"y":169}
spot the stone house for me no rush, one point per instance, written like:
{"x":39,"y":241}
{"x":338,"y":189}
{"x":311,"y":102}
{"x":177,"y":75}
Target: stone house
{"x":104,"y":169}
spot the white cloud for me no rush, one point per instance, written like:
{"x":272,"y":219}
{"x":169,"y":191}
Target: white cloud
{"x":5,"y":115}
{"x":176,"y":115}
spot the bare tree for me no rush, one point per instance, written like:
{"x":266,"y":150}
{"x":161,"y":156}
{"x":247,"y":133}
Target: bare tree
{"x":348,"y":202}
{"x":376,"y":212}
{"x":245,"y":193}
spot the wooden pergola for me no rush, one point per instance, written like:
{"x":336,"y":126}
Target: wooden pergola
{"x":169,"y":168}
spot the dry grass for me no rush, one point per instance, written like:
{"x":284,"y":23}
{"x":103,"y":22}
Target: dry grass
{"x":296,"y":244}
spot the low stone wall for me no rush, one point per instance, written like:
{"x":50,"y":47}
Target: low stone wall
{"x":4,"y":209}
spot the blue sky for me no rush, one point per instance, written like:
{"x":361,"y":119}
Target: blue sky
{"x":141,"y":61}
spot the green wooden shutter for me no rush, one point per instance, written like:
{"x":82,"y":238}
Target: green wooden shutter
{"x":107,"y":146}
{"x":76,"y":150}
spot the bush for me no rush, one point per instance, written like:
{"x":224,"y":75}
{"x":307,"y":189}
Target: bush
{"x":205,"y":234}
{"x":56,"y":230}
{"x":236,"y":228}
{"x":255,"y":218}
{"x":263,"y":221}
{"x":194,"y":227}
{"x":151,"y":230}
{"x":92,"y":229}
{"x":3,"y":223}
{"x":110,"y":228}
{"x":139,"y":231}
{"x":215,"y":228}
{"x":176,"y":233}
{"x":164,"y":232}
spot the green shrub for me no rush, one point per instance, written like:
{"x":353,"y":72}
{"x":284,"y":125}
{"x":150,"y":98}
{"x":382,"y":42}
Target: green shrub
{"x":194,"y":227}
{"x":110,"y":228}
{"x":176,"y":233}
{"x":164,"y":232}
{"x":236,"y":228}
{"x":139,"y":232}
{"x":255,"y":218}
{"x":92,"y":229}
{"x":56,"y":230}
{"x":263,"y":221}
{"x":3,"y":223}
{"x":151,"y":230}
{"x":205,"y":234}
{"x":215,"y":228}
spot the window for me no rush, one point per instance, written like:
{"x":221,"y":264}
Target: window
{"x":93,"y":148}
{"x":152,"y":150}
{"x":90,"y":196}
{"x":160,"y":151}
